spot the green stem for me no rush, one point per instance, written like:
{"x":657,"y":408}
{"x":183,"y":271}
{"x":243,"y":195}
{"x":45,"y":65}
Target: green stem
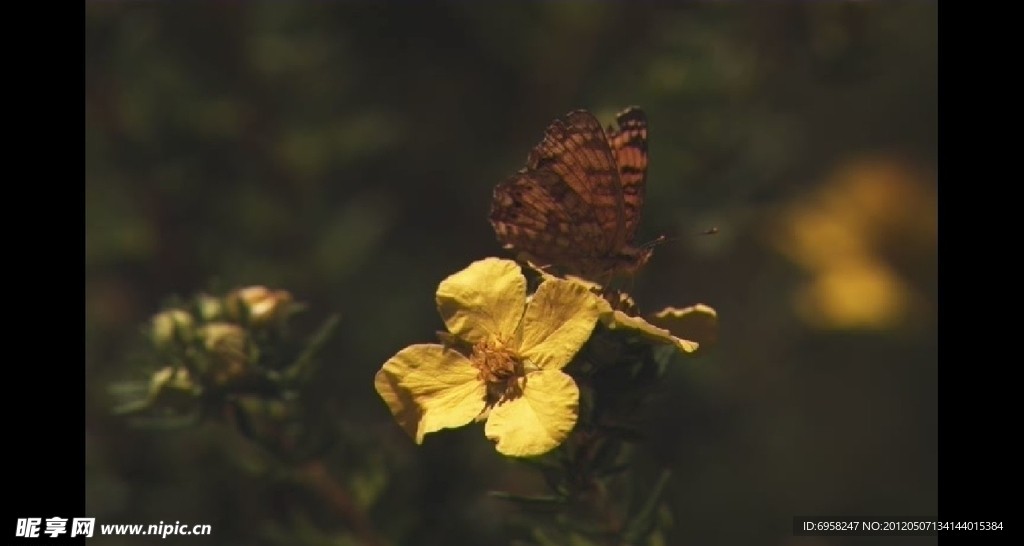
{"x":316,"y":475}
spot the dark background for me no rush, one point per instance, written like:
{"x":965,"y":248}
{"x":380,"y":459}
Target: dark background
{"x":347,"y":153}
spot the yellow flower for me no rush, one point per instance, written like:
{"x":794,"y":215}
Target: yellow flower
{"x":697,"y":322}
{"x":685,"y":328}
{"x":512,"y":375}
{"x":615,"y":320}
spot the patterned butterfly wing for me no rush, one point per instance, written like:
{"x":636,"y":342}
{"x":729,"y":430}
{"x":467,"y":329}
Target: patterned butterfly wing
{"x":629,"y":146}
{"x":567,"y":208}
{"x":536,"y":214}
{"x":577,"y":150}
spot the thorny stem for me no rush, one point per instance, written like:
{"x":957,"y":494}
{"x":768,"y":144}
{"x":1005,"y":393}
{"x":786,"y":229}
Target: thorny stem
{"x":316,"y":475}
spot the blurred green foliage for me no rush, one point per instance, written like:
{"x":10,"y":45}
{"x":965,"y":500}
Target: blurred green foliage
{"x":346,"y":152}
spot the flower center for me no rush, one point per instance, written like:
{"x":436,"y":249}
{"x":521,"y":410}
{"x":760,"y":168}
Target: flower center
{"x":500,"y":368}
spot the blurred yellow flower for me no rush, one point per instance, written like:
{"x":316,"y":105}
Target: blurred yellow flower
{"x":512,"y":375}
{"x":871,"y":215}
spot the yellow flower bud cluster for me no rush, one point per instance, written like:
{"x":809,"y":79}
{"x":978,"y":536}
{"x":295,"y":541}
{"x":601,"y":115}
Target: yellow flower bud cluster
{"x":210,"y":343}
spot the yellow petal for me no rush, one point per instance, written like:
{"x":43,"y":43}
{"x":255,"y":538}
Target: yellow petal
{"x":558,"y":321}
{"x":696,"y":322}
{"x":616,"y":320}
{"x":538,"y":421}
{"x":483,"y":301}
{"x":428,"y":388}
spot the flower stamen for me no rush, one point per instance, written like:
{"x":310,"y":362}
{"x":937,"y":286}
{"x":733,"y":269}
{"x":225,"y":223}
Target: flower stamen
{"x":500,"y":368}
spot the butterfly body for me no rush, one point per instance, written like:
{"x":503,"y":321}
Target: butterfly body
{"x":576,"y":205}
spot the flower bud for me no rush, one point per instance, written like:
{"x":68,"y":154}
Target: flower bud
{"x":257,"y":305}
{"x":172,"y":388}
{"x":170,"y":326}
{"x":210,"y":307}
{"x":227,"y":346}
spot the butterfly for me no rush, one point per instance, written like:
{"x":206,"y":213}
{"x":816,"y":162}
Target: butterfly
{"x":576,"y":205}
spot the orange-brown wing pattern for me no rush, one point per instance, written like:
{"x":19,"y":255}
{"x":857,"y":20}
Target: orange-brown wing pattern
{"x":576,"y":149}
{"x":537,"y":214}
{"x":576,"y":204}
{"x":629,"y":147}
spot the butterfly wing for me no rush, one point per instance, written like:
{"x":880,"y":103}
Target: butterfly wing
{"x":538,"y":215}
{"x":629,"y":147}
{"x":576,"y":149}
{"x":569,"y":207}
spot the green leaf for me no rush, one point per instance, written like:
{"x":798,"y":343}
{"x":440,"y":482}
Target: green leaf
{"x":546,"y":539}
{"x":611,"y":471}
{"x":529,"y":500}
{"x":623,"y":432}
{"x":555,"y":459}
{"x":569,"y":539}
{"x":605,"y":455}
{"x":304,"y":366}
{"x":642,"y":523}
{"x":664,"y":356}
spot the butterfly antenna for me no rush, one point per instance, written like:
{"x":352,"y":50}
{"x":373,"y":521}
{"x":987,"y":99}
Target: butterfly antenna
{"x":657,"y":241}
{"x":664,"y":239}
